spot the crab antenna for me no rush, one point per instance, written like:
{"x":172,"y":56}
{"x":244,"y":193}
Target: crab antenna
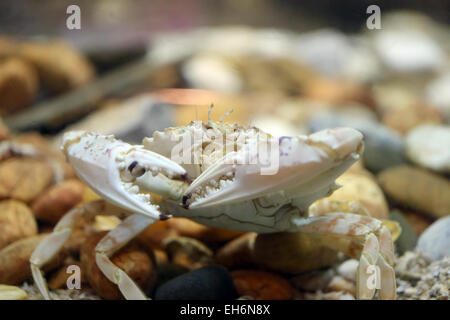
{"x":209,"y":112}
{"x":225,"y":115}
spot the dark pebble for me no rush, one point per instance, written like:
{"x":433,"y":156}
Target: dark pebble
{"x":408,"y":238}
{"x":208,"y":283}
{"x":169,"y":271}
{"x":383,"y":147}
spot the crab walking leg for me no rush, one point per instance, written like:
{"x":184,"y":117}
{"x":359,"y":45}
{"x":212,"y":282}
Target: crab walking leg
{"x":51,"y":245}
{"x":361,"y":237}
{"x":112,"y":242}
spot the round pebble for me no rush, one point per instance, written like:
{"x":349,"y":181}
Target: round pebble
{"x":428,"y":146}
{"x":408,"y":238}
{"x":383,"y":147}
{"x":169,"y":271}
{"x":435,"y":241}
{"x":208,"y":283}
{"x":262,"y":285}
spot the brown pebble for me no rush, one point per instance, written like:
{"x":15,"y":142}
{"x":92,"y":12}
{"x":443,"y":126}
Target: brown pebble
{"x":60,"y":66}
{"x":58,"y":200}
{"x":290,"y":252}
{"x":14,"y":260}
{"x":418,"y":222}
{"x":188,"y":252}
{"x":18,"y":84}
{"x":16,"y":222}
{"x":24,"y":178}
{"x":188,"y":228}
{"x":261,"y":285}
{"x":417,"y":189}
{"x":237,"y":253}
{"x":154,"y":235}
{"x":132,"y":259}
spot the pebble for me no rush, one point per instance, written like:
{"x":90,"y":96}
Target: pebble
{"x":212,"y":73}
{"x":409,"y":51}
{"x":16,"y":222}
{"x":334,"y":295}
{"x":347,"y":269}
{"x":290,"y":252}
{"x":313,"y":281}
{"x":138,"y":263}
{"x":237,"y":253}
{"x":338,"y":92}
{"x":57,"y":200}
{"x":362,"y":187}
{"x":154,"y":235}
{"x":418,"y":222}
{"x":337,"y":55}
{"x":403,"y":119}
{"x":144,"y":115}
{"x":437,"y":94}
{"x":208,"y":283}
{"x":429,"y":146}
{"x":418,"y":189}
{"x":262,"y":285}
{"x":188,"y":228}
{"x":188,"y":252}
{"x":169,"y":271}
{"x":383,"y":147}
{"x":340,"y":284}
{"x":408,"y":237}
{"x":435,"y":241}
{"x":12,"y":293}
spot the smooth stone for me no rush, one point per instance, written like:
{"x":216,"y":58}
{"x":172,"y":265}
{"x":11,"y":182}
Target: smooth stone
{"x":362,"y":187}
{"x":429,"y":147}
{"x":313,"y":281}
{"x":169,"y":271}
{"x":383,"y":147}
{"x":418,"y":189}
{"x":211,"y":72}
{"x":438,"y":94}
{"x":348,"y":269}
{"x":435,"y":241}
{"x":408,"y":238}
{"x":208,"y":283}
{"x":409,"y":51}
{"x":292,"y":252}
{"x":335,"y":54}
{"x":143,"y":115}
{"x":188,"y":252}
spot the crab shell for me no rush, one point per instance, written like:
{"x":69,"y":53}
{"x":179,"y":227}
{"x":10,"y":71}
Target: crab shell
{"x":225,"y":194}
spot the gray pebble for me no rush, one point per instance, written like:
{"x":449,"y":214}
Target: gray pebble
{"x":435,"y":240}
{"x":408,"y":238}
{"x":384,"y":148}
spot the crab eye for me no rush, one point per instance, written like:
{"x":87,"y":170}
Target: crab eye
{"x":135,"y":169}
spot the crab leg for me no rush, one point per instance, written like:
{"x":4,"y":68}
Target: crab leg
{"x":53,"y":244}
{"x":112,"y":242}
{"x":361,"y":237}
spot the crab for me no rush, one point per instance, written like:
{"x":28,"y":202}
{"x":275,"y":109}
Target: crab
{"x":224,"y":188}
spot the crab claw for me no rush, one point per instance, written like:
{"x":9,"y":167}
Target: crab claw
{"x":307,"y":167}
{"x":123,"y":174}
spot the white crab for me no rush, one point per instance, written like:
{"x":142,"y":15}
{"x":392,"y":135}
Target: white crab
{"x":222,"y":194}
